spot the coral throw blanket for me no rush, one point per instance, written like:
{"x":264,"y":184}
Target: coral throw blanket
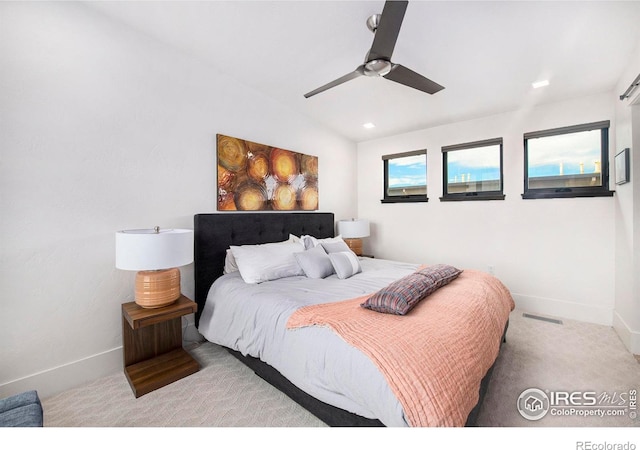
{"x":433,"y":358}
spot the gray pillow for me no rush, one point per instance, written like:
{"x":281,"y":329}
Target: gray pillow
{"x":345,"y":264}
{"x":333,"y":247}
{"x":315,"y":262}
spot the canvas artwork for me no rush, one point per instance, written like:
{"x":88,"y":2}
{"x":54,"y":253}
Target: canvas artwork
{"x":622,"y":167}
{"x":257,"y":177}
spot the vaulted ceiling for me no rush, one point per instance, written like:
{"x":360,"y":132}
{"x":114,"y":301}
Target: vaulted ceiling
{"x":486,"y":54}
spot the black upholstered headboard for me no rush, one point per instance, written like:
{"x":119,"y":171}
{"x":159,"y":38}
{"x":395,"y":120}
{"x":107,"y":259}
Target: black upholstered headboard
{"x":215,"y":232}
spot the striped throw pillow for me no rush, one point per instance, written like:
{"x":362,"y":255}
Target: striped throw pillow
{"x":403,"y":295}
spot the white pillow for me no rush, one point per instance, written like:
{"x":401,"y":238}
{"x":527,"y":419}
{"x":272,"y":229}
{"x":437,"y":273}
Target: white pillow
{"x":314,"y":242}
{"x":230,"y":264}
{"x":265,"y":262}
{"x":294,"y":238}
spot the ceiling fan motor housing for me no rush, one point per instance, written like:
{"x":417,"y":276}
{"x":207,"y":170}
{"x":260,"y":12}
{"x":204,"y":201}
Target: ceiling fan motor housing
{"x":377,"y":68}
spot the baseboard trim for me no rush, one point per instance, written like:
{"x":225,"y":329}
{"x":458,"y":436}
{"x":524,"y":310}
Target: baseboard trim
{"x":58,"y":379}
{"x":67,"y":376}
{"x":564,"y":309}
{"x":629,"y":337}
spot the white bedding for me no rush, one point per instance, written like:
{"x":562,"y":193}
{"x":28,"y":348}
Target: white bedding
{"x":252,"y":318}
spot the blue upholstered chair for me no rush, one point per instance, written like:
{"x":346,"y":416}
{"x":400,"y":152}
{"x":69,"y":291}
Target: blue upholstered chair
{"x":21,"y":410}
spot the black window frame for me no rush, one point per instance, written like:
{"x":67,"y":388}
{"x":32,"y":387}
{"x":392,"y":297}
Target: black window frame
{"x":471,"y":196}
{"x":571,"y":192}
{"x":409,"y":198}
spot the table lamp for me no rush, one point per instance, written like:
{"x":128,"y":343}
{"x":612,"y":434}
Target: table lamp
{"x":156,"y":254}
{"x":352,"y":231}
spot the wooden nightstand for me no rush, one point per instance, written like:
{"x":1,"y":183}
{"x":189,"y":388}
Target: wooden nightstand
{"x":152,"y":345}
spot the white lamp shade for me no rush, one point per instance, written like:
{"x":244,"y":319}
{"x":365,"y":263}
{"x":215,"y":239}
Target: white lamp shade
{"x":353,"y":229}
{"x":150,"y":250}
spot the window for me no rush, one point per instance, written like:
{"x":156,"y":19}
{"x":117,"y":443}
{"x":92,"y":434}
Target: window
{"x":567,"y":162}
{"x":473,"y":171}
{"x":405,"y":177}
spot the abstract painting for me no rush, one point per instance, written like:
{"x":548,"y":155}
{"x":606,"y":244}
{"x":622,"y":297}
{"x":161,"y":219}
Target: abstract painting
{"x":258,"y":177}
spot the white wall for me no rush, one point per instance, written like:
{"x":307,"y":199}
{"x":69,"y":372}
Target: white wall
{"x":627,"y":210}
{"x":103,"y":129}
{"x":557,"y":256}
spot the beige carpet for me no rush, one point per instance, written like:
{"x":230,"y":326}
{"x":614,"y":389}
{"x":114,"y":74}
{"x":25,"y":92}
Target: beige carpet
{"x":224,"y":393}
{"x":574,"y":356}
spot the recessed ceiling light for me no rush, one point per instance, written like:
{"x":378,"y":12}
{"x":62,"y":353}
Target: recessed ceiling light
{"x":369,"y":125}
{"x":539,"y":84}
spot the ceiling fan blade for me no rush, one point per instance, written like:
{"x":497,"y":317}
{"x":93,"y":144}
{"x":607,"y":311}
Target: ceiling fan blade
{"x":400,"y":74}
{"x":388,"y":30}
{"x":350,"y":76}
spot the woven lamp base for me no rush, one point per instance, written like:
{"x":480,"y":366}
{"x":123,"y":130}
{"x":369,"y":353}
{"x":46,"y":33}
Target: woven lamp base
{"x":157,"y":288}
{"x":355,"y":245}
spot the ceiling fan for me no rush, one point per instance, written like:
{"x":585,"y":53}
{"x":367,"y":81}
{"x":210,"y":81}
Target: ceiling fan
{"x":377,"y":63}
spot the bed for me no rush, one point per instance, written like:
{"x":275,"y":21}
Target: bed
{"x":332,"y":368}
